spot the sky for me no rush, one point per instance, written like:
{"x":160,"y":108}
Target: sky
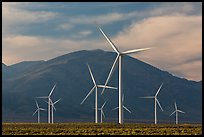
{"x":45,"y":30}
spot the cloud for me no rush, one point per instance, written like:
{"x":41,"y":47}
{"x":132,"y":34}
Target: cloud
{"x":99,"y":19}
{"x":173,"y":8}
{"x":85,"y":32}
{"x":65,"y":26}
{"x":173,"y":29}
{"x":22,"y":47}
{"x":181,"y":8}
{"x":176,"y":40}
{"x":13,"y":14}
{"x":14,"y":17}
{"x":190,"y":70}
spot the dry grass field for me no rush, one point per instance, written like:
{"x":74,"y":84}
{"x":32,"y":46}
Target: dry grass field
{"x":99,"y":129}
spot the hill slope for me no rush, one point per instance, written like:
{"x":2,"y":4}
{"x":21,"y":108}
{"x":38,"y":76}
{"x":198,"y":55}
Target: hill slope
{"x":73,"y":80}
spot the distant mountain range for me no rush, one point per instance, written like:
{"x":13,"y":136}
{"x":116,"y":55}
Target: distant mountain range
{"x":23,"y":81}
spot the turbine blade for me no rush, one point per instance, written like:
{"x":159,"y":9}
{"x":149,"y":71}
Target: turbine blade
{"x":111,"y":87}
{"x":103,"y":86}
{"x":37,"y":104}
{"x":98,"y":108}
{"x":51,"y":103}
{"x":103,"y":105}
{"x":126,"y":109}
{"x":109,"y":41}
{"x":91,"y":75}
{"x":110,"y":73}
{"x":103,"y":113}
{"x":135,"y":50}
{"x":123,"y":98}
{"x":56,"y":101}
{"x":180,"y":111}
{"x":175,"y":105}
{"x":54,"y":107}
{"x":159,"y":104}
{"x":47,"y":102}
{"x":172,"y":113}
{"x":115,"y":108}
{"x":35,"y":112}
{"x":42,"y":109}
{"x":42,"y":97}
{"x":52,"y":90}
{"x":88,"y":94}
{"x":147,"y":97}
{"x":159,"y":89}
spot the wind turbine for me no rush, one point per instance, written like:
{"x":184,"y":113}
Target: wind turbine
{"x":96,"y":93}
{"x":176,"y":111}
{"x":38,"y":110}
{"x":52,"y":104}
{"x":48,"y":97}
{"x":102,"y":113}
{"x":123,"y":106}
{"x":156,"y":101}
{"x":119,"y":60}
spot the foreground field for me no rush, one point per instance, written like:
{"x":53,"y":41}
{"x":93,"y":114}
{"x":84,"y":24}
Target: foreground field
{"x":99,"y":129}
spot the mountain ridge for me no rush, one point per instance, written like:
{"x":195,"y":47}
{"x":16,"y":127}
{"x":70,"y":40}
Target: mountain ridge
{"x":73,"y":80}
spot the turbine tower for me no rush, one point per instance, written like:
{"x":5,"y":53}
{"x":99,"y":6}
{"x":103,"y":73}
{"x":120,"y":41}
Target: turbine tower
{"x":102,"y":113}
{"x":52,"y":104}
{"x":119,"y":60}
{"x":96,"y":93}
{"x":176,"y":111}
{"x":38,"y":110}
{"x":48,"y":97}
{"x":156,"y":101}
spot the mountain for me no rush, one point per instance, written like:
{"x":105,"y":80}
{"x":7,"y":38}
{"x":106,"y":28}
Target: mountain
{"x":71,"y":74}
{"x":4,"y":70}
{"x":3,"y":66}
{"x":24,"y":65}
{"x":14,"y":69}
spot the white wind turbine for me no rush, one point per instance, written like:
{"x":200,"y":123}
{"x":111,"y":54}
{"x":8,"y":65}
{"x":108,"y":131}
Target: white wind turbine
{"x":176,"y":111}
{"x":119,"y":60}
{"x":156,"y":101}
{"x":96,"y":94}
{"x":52,"y":104}
{"x":102,"y":113}
{"x":38,"y":110}
{"x":49,"y":100}
{"x":123,"y":106}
